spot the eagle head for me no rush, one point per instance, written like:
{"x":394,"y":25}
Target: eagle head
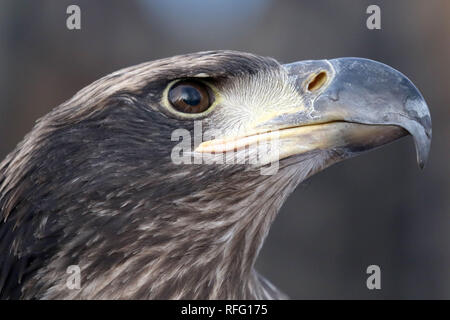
{"x":161,"y":180}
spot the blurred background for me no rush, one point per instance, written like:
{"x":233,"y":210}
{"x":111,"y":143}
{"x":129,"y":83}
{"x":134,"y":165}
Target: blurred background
{"x":378,"y":208}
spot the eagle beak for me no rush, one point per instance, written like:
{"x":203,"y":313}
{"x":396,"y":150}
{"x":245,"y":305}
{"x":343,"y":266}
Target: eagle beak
{"x":348,"y":105}
{"x":368,"y":92}
{"x":358,"y":104}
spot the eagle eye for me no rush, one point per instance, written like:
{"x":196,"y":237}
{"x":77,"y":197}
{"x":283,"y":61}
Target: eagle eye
{"x":190,"y":96}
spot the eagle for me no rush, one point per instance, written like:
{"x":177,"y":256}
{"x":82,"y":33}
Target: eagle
{"x":153,"y":180}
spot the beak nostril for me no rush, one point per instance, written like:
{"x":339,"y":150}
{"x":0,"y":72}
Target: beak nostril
{"x":318,"y":81}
